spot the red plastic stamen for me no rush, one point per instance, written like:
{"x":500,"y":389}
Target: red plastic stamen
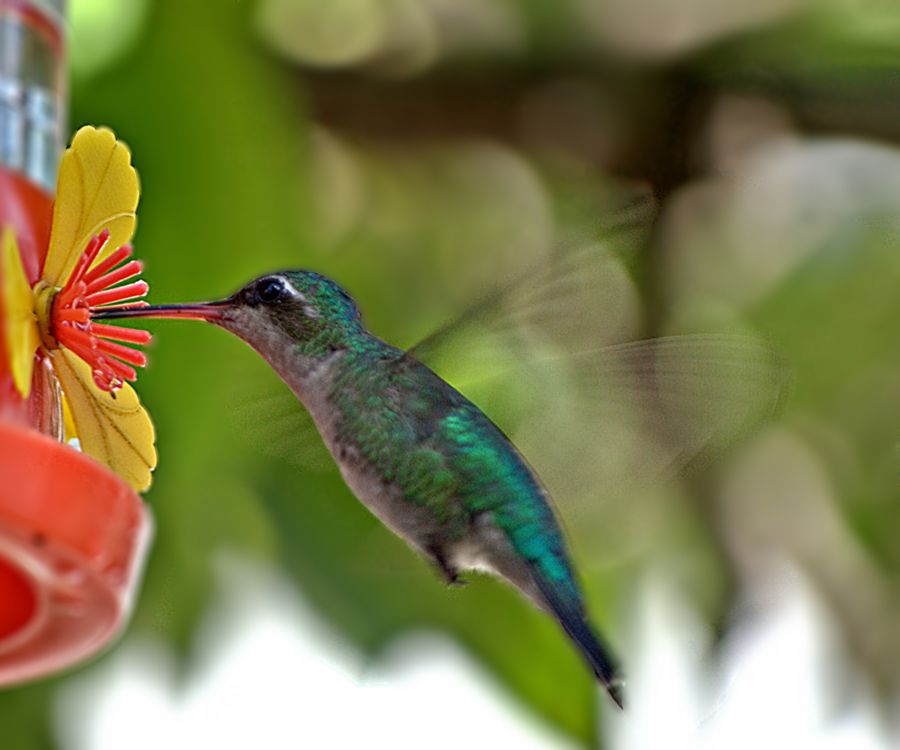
{"x":130,"y":335}
{"x":131,"y":269}
{"x":105,"y":265}
{"x":117,"y":294}
{"x":90,"y":287}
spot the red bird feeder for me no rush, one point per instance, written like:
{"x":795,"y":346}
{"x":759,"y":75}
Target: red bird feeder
{"x":72,"y":533}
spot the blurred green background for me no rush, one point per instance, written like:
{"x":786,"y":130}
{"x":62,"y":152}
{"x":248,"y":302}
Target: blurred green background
{"x":419,"y":150}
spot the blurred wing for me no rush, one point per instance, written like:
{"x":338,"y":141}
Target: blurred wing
{"x":686,"y":394}
{"x":271,"y":420}
{"x":642,"y":409}
{"x":579,"y":282}
{"x":97,"y":189}
{"x":544,"y":354}
{"x":112,"y":428}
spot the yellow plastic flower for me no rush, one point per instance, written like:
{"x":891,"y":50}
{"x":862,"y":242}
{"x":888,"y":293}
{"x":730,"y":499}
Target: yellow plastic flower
{"x":22,"y":336}
{"x":93,"y":221}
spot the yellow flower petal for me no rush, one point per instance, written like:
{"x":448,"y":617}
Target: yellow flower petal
{"x":68,"y":422}
{"x":113,"y":429}
{"x":97,"y":189}
{"x":21,"y":328}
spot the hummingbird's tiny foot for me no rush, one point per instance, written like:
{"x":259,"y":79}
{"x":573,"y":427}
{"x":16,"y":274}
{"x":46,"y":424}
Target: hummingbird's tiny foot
{"x":449,"y":573}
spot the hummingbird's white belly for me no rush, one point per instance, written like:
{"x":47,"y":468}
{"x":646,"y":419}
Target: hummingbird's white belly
{"x":383,"y":499}
{"x":386,"y":501}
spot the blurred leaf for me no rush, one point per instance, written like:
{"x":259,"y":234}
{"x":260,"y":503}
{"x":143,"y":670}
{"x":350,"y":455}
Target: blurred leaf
{"x":25,"y":715}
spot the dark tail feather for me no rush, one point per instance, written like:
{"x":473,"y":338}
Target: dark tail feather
{"x":570,"y":614}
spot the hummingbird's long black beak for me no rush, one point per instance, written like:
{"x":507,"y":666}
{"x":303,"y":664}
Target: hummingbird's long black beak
{"x":208,"y":311}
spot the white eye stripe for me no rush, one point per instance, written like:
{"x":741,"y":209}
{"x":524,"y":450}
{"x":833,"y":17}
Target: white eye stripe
{"x":294,"y":293}
{"x":311,"y":311}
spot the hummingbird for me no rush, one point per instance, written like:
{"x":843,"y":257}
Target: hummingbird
{"x":421,"y":456}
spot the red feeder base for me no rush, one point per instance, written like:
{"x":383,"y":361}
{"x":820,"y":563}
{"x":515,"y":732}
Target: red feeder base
{"x":72,"y":540}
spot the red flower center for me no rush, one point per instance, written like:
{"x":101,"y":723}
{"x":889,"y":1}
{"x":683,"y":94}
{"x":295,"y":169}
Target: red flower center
{"x":87,"y":289}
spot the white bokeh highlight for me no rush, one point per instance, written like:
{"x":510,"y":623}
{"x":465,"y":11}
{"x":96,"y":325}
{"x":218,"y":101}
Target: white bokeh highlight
{"x":269,"y":674}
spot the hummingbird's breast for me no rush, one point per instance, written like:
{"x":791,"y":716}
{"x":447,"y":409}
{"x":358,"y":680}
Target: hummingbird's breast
{"x":431,"y":465}
{"x":374,"y":427}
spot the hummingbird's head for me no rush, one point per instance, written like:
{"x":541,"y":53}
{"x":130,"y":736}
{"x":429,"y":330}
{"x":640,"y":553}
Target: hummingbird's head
{"x":295,"y":309}
{"x":301,"y":305}
{"x":281,"y":311}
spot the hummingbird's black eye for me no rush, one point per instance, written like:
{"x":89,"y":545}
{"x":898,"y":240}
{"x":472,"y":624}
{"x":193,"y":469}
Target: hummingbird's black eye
{"x":270,"y":290}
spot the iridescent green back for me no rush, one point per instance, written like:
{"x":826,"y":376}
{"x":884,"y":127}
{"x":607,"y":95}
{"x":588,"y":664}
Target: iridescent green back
{"x":444,"y":454}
